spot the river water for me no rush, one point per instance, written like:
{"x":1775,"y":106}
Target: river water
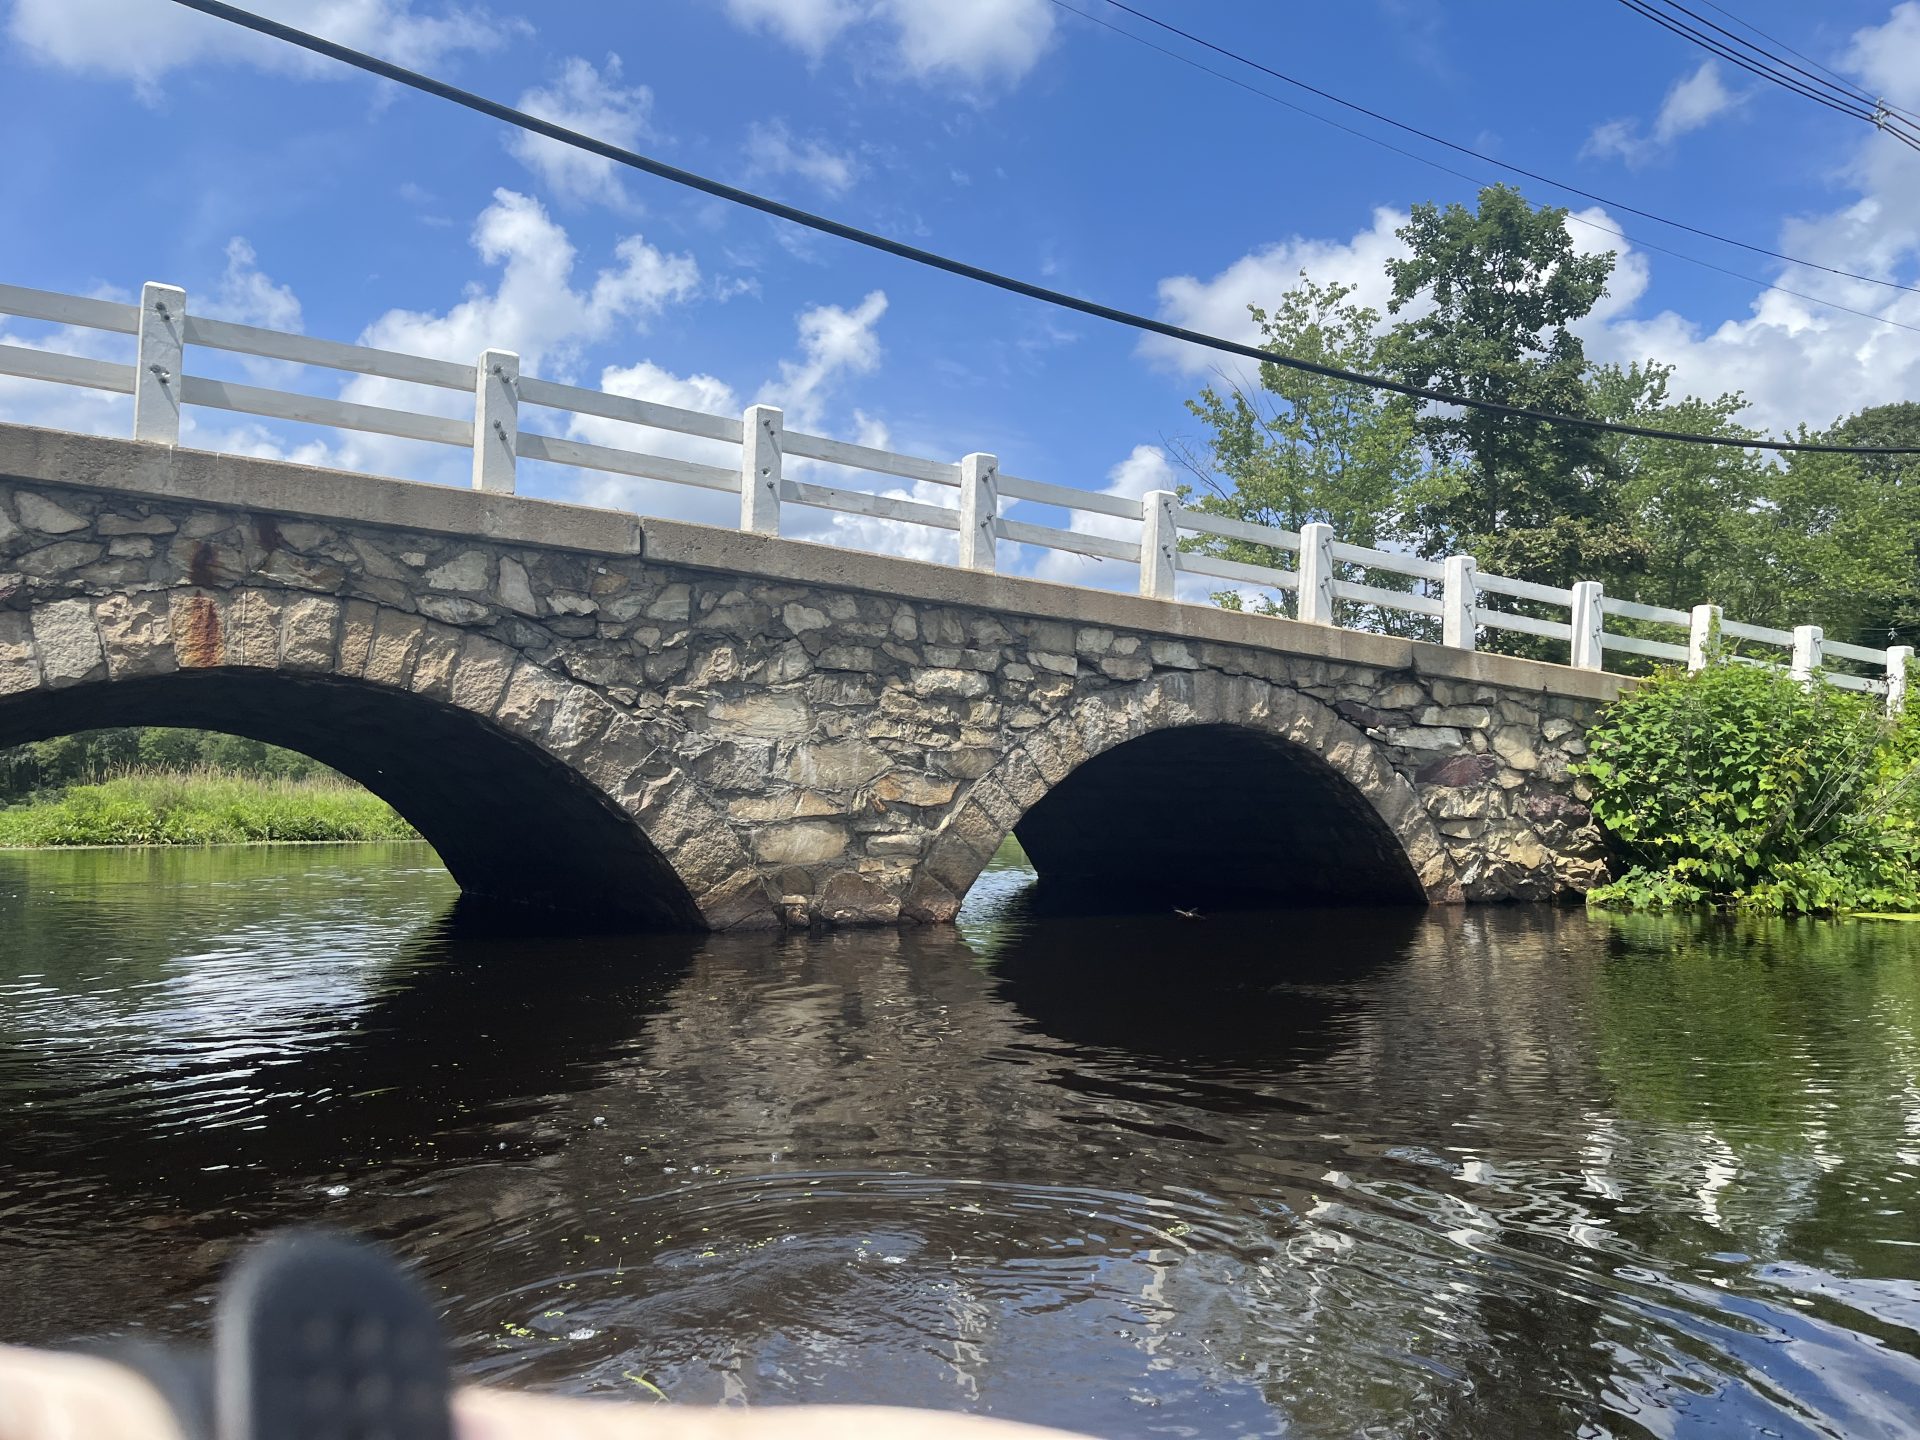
{"x":1518,"y":1172}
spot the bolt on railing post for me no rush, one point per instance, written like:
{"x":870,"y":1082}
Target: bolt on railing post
{"x":979,"y":509}
{"x":1458,"y":601}
{"x":496,"y":420}
{"x":1899,"y":657}
{"x":760,"y":430}
{"x":1315,"y":595}
{"x":1703,"y":630}
{"x":1809,"y":641}
{"x":159,"y":363}
{"x":1589,"y":625}
{"x":1159,"y":543}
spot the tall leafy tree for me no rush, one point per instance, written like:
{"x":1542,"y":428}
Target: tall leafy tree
{"x":1489,"y":296}
{"x":1300,"y":448}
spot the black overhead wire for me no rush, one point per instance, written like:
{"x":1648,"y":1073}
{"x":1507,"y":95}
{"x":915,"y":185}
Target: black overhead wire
{"x":1846,"y":104}
{"x":1479,"y":180}
{"x":1827,"y":80}
{"x":778,"y":209}
{"x":1748,"y":25}
{"x":1486,"y":159}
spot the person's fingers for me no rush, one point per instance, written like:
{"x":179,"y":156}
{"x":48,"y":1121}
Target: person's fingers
{"x":506,"y":1415}
{"x":45,"y":1395}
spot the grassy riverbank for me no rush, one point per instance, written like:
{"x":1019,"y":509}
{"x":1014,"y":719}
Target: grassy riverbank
{"x":200,"y":807}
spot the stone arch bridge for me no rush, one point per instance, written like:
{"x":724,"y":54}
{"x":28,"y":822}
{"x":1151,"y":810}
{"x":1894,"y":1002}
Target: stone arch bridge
{"x":704,"y":728}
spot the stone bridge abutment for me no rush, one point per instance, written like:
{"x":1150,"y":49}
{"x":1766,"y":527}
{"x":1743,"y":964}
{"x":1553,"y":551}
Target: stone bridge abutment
{"x":699,"y":727}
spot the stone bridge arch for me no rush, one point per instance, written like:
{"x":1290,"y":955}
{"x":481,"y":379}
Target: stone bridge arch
{"x":530,"y":786}
{"x":1283,"y":798}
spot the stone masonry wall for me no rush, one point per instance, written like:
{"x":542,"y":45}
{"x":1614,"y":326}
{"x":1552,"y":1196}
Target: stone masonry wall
{"x":796,"y":751}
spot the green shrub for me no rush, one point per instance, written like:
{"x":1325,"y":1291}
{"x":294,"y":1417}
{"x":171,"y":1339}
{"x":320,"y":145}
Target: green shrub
{"x":206,"y":807}
{"x":1738,"y":785}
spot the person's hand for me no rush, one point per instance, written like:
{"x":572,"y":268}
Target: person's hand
{"x":45,"y":1395}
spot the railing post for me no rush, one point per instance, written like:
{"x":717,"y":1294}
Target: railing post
{"x":1159,"y":543}
{"x":1808,"y":643}
{"x":1589,"y":625}
{"x":1899,"y":657}
{"x":979,"y":509}
{"x":496,"y":420}
{"x":159,"y":363}
{"x":760,"y":469}
{"x":1458,"y":598}
{"x":1703,"y":631}
{"x":1315,"y":598}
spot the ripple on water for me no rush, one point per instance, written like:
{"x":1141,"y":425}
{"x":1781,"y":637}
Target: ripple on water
{"x":1495,"y":1173}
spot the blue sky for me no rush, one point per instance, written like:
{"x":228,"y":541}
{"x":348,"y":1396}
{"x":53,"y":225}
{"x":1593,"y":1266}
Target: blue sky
{"x":145,"y":142}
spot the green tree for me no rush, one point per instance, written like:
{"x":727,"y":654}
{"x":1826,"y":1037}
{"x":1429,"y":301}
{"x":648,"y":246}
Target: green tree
{"x":1303,"y":448}
{"x":1489,"y":296}
{"x":1896,"y":482}
{"x":1691,"y":507}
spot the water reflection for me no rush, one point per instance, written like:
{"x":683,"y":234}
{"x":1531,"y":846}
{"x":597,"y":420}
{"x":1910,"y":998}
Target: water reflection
{"x":1517,"y":1172}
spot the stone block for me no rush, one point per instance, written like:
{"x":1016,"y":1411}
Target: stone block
{"x":836,"y":765}
{"x":19,"y":663}
{"x":801,"y":842}
{"x":768,"y":713}
{"x":136,"y":635}
{"x":481,"y":673}
{"x":39,"y":513}
{"x":850,"y":899}
{"x":67,"y":642}
{"x":470,"y":570}
{"x":308,"y":631}
{"x":532,"y":696}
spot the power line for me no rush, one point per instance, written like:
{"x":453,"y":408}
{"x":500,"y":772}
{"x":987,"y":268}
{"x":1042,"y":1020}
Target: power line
{"x":1827,"y":79}
{"x":1486,"y":159}
{"x":1748,"y":25}
{"x":1847,"y":104}
{"x":1478,"y":180}
{"x":1060,"y":298}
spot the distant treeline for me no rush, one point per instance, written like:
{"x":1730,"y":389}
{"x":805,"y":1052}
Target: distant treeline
{"x":96,"y":755}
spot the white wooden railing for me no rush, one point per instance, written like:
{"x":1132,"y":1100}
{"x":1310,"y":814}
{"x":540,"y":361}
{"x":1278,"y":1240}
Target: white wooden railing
{"x":493,"y":430}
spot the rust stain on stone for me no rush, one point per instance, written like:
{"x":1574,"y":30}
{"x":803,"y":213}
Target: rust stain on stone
{"x":266,"y":530}
{"x":200,"y":566}
{"x":196,"y":633}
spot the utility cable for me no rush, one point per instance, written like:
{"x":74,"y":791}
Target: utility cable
{"x":1477,"y":180}
{"x":1619,"y":205}
{"x":1849,"y":106}
{"x":1802,"y":55}
{"x":533,"y":124}
{"x":1827,"y":79}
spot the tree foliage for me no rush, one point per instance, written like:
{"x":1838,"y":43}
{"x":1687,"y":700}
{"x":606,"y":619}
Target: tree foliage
{"x":1738,"y":785}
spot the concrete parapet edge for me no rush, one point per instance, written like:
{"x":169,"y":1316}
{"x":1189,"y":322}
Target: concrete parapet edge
{"x":281,"y":487}
{"x":89,"y":462}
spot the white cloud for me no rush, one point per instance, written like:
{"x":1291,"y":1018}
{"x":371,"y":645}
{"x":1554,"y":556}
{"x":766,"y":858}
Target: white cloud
{"x":1219,"y":306}
{"x":1692,"y":102}
{"x":834,"y":343}
{"x":807,"y":25}
{"x":773,"y":150}
{"x":978,"y":41}
{"x":143,"y":41}
{"x":538,"y":310}
{"x":248,"y":296}
{"x":594,"y":102}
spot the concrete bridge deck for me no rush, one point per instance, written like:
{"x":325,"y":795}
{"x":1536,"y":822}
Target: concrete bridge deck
{"x":705,"y":727}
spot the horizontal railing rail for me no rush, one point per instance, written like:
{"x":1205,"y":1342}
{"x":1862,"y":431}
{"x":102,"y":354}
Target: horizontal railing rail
{"x":1164,"y":537}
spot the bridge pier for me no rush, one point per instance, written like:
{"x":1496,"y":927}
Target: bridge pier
{"x":704,"y":727}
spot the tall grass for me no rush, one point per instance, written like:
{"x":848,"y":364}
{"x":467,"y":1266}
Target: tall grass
{"x":201,"y":807}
